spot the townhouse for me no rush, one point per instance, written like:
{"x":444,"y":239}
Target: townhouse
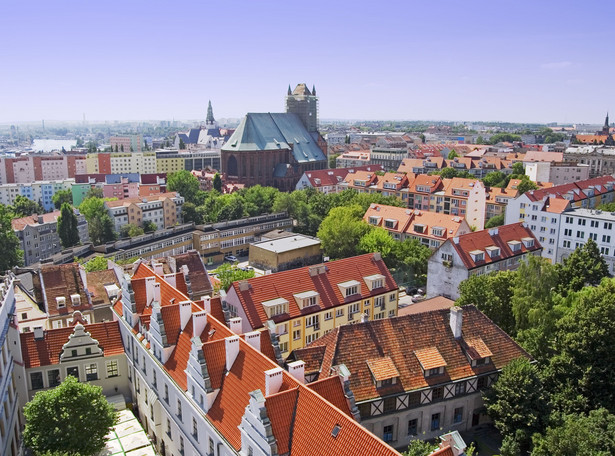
{"x":415,"y":375}
{"x":430,"y":228}
{"x":331,"y":180}
{"x":478,"y":167}
{"x":300,"y":305}
{"x":480,"y":252}
{"x":542,"y":209}
{"x":163,"y":209}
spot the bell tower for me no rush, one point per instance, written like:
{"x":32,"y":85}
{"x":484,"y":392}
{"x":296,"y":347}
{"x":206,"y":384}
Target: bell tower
{"x":305,"y":104}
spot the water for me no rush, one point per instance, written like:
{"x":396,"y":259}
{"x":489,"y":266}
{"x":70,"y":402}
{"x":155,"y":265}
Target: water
{"x":49,"y":145}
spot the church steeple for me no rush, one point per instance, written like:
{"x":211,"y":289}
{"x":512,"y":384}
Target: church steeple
{"x":313,"y":90}
{"x":289,"y":92}
{"x":210,"y":114}
{"x":606,"y":129}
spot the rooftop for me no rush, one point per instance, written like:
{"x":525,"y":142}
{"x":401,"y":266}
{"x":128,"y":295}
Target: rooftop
{"x":287,"y":244}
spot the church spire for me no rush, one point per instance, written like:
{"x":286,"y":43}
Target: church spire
{"x":210,"y":114}
{"x":606,"y":121}
{"x":289,"y":92}
{"x":313,"y":90}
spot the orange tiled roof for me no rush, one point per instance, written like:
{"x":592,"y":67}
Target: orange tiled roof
{"x":382,"y":368}
{"x":286,"y":284}
{"x":556,"y":205}
{"x":47,"y":351}
{"x":574,"y":190}
{"x":332,"y":389}
{"x":141,"y":199}
{"x":540,"y":156}
{"x":19,"y":224}
{"x":476,"y":348}
{"x":430,"y":358}
{"x":331,"y":177}
{"x":591,"y":139}
{"x":353,"y":344}
{"x":435,"y":303}
{"x":96,"y":285}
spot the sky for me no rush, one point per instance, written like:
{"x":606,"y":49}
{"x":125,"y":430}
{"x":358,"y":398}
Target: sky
{"x":496,"y":60}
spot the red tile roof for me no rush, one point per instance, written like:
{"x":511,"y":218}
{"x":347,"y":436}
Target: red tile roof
{"x":47,"y":351}
{"x":574,"y":190}
{"x":332,"y":177}
{"x":96,"y":285}
{"x":332,"y":389}
{"x":32,"y":220}
{"x":141,"y":199}
{"x":435,"y":303}
{"x":63,"y":281}
{"x":382,"y":368}
{"x":286,"y":284}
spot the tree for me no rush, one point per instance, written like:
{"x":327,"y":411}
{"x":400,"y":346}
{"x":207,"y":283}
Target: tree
{"x":95,"y":192}
{"x":12,"y":255}
{"x":91,"y":207}
{"x":228,"y":273}
{"x":379,"y":240}
{"x":149,"y":226}
{"x":504,"y":137}
{"x":182,"y":144}
{"x":62,"y":196}
{"x":23,"y":207}
{"x":517,"y":402}
{"x":412,"y":257}
{"x":232,"y":209}
{"x":131,"y":230}
{"x":480,"y":140}
{"x":494,"y":178}
{"x":72,"y":417}
{"x":190,"y":214}
{"x":420,"y":448}
{"x":584,"y":266}
{"x":518,"y":169}
{"x":452,"y":154}
{"x":333,"y":160}
{"x":608,"y":207}
{"x":526,"y":185}
{"x":259,"y":200}
{"x":217,"y":182}
{"x":341,"y":231}
{"x":68,"y":226}
{"x":185,"y":183}
{"x":496,"y":220}
{"x":592,"y":435}
{"x":98,"y":263}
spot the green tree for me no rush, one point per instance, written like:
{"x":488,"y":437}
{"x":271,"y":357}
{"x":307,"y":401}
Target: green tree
{"x":341,"y":231}
{"x":608,"y":207}
{"x":496,"y":220}
{"x":379,"y":240}
{"x":518,"y":169}
{"x":98,"y":263}
{"x":149,"y":226}
{"x":23,"y":207}
{"x":59,"y":418}
{"x":452,"y":154}
{"x":62,"y":196}
{"x":100,"y":225}
{"x":217,"y":182}
{"x":233,"y":207}
{"x":185,"y":183}
{"x":68,"y":226}
{"x":131,"y":230}
{"x":579,"y":434}
{"x":94,"y":192}
{"x":494,"y":179}
{"x":228,"y":273}
{"x":182,"y":144}
{"x":333,"y":160}
{"x":480,"y":140}
{"x":412,"y":257}
{"x":504,"y":137}
{"x":190,"y":214}
{"x":259,"y":200}
{"x":91,"y":207}
{"x":12,"y":255}
{"x":517,"y":402}
{"x":584,"y":266}
{"x":420,"y":448}
{"x":526,"y":185}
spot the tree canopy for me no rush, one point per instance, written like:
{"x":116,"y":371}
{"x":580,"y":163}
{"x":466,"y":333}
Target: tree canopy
{"x":23,"y":207}
{"x":12,"y":255}
{"x":100,"y":225}
{"x":584,"y":266}
{"x":61,"y":197}
{"x":185,"y":183}
{"x":98,"y":263}
{"x":68,"y":226}
{"x":341,"y":231}
{"x":72,"y":417}
{"x":228,"y":273}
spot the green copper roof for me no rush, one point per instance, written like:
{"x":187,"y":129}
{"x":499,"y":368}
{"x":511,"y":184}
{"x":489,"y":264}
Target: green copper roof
{"x":272,"y":131}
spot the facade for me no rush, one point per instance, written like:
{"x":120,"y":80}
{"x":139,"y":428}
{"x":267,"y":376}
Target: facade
{"x":480,"y":252}
{"x":478,"y":167}
{"x":285,"y":253}
{"x":169,"y":161}
{"x":201,"y":389}
{"x":163,"y":209}
{"x":353,"y":158}
{"x":578,"y":225}
{"x":388,"y":157}
{"x":331,"y":180}
{"x":414,"y":375}
{"x":41,"y":191}
{"x":38,"y":235}
{"x":30,"y":168}
{"x":275,"y":149}
{"x":557,"y":173}
{"x":121,"y":162}
{"x":543,"y":209}
{"x":430,"y":228}
{"x":601,"y":159}
{"x":300,"y":305}
{"x":130,"y":143}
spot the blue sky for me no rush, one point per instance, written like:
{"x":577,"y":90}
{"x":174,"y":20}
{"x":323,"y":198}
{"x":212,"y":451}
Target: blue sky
{"x":535,"y":61}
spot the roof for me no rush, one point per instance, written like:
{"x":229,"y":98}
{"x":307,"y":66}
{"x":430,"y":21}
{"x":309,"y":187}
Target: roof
{"x":32,"y":220}
{"x":399,"y":337}
{"x":331,"y":177}
{"x":556,"y":205}
{"x":499,"y":237}
{"x":287,"y":244}
{"x":539,"y":156}
{"x":382,"y":368}
{"x":61,"y":281}
{"x":275,"y":131}
{"x":436,"y":303}
{"x":141,"y":199}
{"x":97,"y":281}
{"x":46,"y":351}
{"x":574,"y":190}
{"x":197,"y":273}
{"x":287,"y":284}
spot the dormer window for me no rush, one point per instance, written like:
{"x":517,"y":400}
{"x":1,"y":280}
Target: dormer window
{"x":431,"y":361}
{"x":528,"y":242}
{"x":437,"y":231}
{"x":374,"y":220}
{"x":75,"y":299}
{"x":383,"y":370}
{"x":493,"y":251}
{"x":477,"y":351}
{"x":477,"y":255}
{"x":61,"y":302}
{"x":275,"y":307}
{"x":515,"y":246}
{"x":359,"y":183}
{"x":390,"y":223}
{"x":307,"y":299}
{"x":418,"y":228}
{"x":350,"y":288}
{"x":374,"y":281}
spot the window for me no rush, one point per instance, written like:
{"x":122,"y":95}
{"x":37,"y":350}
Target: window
{"x":593,"y":236}
{"x":311,"y":338}
{"x":433,"y":371}
{"x":211,"y":446}
{"x":594,"y":223}
{"x":379,"y":301}
{"x":195,"y":431}
{"x":437,"y":394}
{"x":179,"y":409}
{"x":608,"y":226}
{"x":297,"y":334}
{"x":53,"y":377}
{"x":74,"y":371}
{"x":458,"y":415}
{"x":339,"y":313}
{"x":604,"y":251}
{"x":312,"y":321}
{"x":166,"y":393}
{"x":387,"y":433}
{"x":482,"y":382}
{"x":365,"y":409}
{"x":36,"y":378}
{"x":569,"y":220}
{"x":353,"y":308}
{"x":606,"y":238}
{"x":581,"y":222}
{"x":353,"y":290}
{"x":91,"y":372}
{"x":460,"y":388}
{"x":328,"y":315}
{"x":566,"y":244}
{"x":435,"y":421}
{"x":413,"y":427}
{"x":112,"y":369}
{"x":181,"y":445}
{"x":169,"y":427}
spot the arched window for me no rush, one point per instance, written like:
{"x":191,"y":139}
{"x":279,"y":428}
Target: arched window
{"x":231,"y":166}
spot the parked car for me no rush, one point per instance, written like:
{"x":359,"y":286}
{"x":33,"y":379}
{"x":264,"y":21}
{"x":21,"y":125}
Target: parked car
{"x":231,"y":258}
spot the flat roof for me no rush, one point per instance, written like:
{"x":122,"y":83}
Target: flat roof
{"x":287,"y":244}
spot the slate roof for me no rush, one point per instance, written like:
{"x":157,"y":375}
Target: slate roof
{"x":399,"y":338}
{"x":275,"y":131}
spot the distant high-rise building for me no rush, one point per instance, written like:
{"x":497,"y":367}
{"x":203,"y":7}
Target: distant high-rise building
{"x":305,"y":104}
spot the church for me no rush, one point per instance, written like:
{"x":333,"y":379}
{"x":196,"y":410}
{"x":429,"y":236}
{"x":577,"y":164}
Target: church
{"x":207,"y":136}
{"x":275,"y":149}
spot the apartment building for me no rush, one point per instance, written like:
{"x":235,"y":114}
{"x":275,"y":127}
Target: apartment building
{"x":496,"y":200}
{"x":480,"y":252}
{"x":353,"y":158}
{"x":415,"y":375}
{"x":557,"y":173}
{"x":38,"y":235}
{"x":599,"y":158}
{"x":121,"y":162}
{"x":11,"y":418}
{"x":30,"y":168}
{"x":169,"y":161}
{"x":331,"y":180}
{"x":163,"y":209}
{"x":300,"y":305}
{"x":543,"y":209}
{"x":201,"y":389}
{"x":430,"y":228}
{"x":41,"y":191}
{"x":478,"y":167}
{"x":130,"y":143}
{"x":578,"y":225}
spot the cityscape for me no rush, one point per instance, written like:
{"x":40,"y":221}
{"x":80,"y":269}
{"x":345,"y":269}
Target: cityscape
{"x":222,"y":248}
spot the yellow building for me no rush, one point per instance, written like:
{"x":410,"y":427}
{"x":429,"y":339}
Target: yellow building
{"x":301,"y":305}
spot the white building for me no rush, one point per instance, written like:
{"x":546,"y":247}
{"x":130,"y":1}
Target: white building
{"x":556,"y":173}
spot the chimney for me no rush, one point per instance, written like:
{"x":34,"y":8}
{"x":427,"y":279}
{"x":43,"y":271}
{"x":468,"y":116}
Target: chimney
{"x":232,"y":350}
{"x":254,"y":339}
{"x":40,"y":219}
{"x":149,"y":288}
{"x":170,"y":279}
{"x":273,"y":380}
{"x":235,"y":325}
{"x":364,"y":317}
{"x":157,"y":292}
{"x":297,"y":370}
{"x":456,"y":239}
{"x":493,"y":232}
{"x":377,"y":256}
{"x":244,"y":285}
{"x":456,"y":319}
{"x":158,"y":268}
{"x":39,"y":333}
{"x":199,"y":320}
{"x":207,"y":304}
{"x":185,"y":311}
